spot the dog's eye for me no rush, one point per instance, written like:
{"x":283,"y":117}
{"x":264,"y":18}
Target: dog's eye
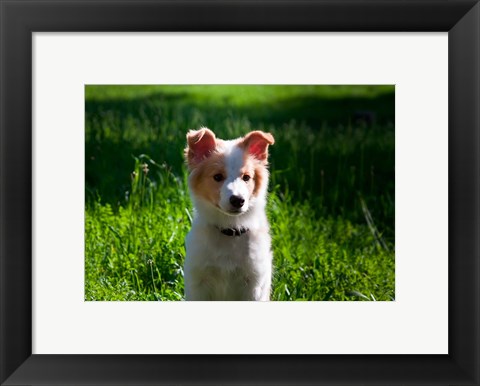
{"x":218,"y":177}
{"x":246,"y":177}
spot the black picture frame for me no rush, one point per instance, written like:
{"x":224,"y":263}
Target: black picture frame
{"x":19,"y":19}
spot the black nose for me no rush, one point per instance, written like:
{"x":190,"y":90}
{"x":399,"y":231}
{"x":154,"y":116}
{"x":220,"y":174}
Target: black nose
{"x":236,"y":201}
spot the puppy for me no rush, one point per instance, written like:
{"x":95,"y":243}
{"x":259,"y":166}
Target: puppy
{"x":228,"y":247}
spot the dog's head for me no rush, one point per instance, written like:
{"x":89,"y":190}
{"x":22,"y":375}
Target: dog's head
{"x":229,"y":175}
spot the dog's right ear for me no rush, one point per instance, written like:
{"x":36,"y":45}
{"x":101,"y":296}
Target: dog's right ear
{"x":200,"y":144}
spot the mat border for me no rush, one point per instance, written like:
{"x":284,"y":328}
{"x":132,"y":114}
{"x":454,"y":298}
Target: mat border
{"x":20,"y":18}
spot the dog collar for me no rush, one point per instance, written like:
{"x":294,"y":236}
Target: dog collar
{"x":234,"y":231}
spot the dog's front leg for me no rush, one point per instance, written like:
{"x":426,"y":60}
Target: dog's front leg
{"x":203,"y":284}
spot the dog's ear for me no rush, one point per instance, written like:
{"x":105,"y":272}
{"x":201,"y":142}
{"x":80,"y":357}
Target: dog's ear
{"x":256,"y":144}
{"x":200,"y":144}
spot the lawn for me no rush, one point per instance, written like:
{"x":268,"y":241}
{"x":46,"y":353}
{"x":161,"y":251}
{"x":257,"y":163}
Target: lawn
{"x":331,"y":199}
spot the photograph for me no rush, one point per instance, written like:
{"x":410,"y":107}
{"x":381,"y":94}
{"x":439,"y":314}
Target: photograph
{"x":239,"y":192}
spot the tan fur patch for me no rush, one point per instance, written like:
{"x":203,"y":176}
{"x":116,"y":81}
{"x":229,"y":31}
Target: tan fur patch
{"x":261,"y":176}
{"x":201,"y":178}
{"x":257,"y":171}
{"x":248,"y":168}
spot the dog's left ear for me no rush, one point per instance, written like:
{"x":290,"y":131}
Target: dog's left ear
{"x":256,"y":144}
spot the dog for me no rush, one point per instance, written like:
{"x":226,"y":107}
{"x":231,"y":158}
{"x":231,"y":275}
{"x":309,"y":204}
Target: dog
{"x":228,"y":249}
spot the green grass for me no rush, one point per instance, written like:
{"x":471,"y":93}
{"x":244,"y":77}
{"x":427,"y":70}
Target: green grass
{"x":331,"y":201}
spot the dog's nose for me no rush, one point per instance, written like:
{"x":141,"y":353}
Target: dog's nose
{"x":236,"y":201}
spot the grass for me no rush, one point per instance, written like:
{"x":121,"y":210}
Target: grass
{"x":331,"y":201}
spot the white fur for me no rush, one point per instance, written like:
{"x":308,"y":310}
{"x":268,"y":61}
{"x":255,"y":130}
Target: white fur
{"x":233,"y":185}
{"x":221,"y":267}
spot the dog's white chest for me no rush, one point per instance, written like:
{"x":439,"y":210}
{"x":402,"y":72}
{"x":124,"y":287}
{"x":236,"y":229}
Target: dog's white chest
{"x":217,"y":249}
{"x":221,"y":267}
